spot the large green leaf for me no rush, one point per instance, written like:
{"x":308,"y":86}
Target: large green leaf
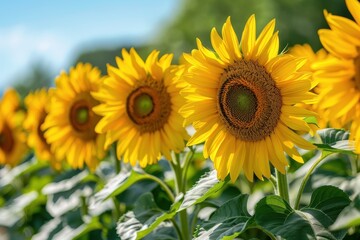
{"x":65,"y":193}
{"x":330,"y":200}
{"x":349,"y":217}
{"x":275,"y":207}
{"x":14,"y":209}
{"x":207,"y":185}
{"x":7,"y":176}
{"x":335,"y":140}
{"x":307,"y":224}
{"x":312,"y":222}
{"x":143,"y":215}
{"x":117,"y":185}
{"x":71,"y":225}
{"x":229,"y":220}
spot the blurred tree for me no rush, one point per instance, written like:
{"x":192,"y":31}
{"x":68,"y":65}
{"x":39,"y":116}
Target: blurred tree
{"x":297,"y":20}
{"x":38,"y":76}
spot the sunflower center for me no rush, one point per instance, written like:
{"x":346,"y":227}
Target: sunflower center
{"x":82,"y":115}
{"x":82,"y":119}
{"x":149,"y":106}
{"x":249,"y":102}
{"x":240,"y":101}
{"x":143,"y":105}
{"x":357,"y":70}
{"x":7,"y":140}
{"x":40,"y":132}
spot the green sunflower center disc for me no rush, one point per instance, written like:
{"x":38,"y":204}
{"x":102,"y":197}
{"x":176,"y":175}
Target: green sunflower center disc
{"x":82,"y":115}
{"x":242,"y":103}
{"x":149,"y":106}
{"x":143,"y":105}
{"x":249,"y":102}
{"x":7,"y":141}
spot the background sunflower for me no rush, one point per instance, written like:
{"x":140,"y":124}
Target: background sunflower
{"x":139,"y":104}
{"x":12,"y":137}
{"x":70,"y":124}
{"x":37,"y":104}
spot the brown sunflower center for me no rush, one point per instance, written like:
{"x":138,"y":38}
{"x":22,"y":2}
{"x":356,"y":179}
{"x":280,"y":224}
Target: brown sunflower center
{"x":82,"y":119}
{"x":149,"y":106}
{"x":40,"y":132}
{"x":357,"y":70}
{"x":249,"y":102}
{"x":7,"y":141}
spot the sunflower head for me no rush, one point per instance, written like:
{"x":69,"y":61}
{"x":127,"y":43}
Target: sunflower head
{"x":241,"y":101}
{"x":37,"y":104}
{"x":339,"y":75}
{"x":12,"y":137}
{"x":139,"y":107}
{"x":70,"y":124}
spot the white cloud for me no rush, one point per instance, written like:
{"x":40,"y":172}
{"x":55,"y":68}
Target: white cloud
{"x":19,"y":46}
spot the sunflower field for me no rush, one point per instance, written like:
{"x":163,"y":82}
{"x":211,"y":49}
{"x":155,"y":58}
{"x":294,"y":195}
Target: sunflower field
{"x":238,"y":138}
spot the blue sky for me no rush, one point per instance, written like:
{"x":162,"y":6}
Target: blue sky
{"x":53,"y":31}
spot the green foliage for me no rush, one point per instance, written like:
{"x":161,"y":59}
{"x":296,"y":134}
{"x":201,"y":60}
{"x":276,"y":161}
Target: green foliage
{"x":349,"y":216}
{"x":311,"y":222}
{"x":335,"y":140}
{"x":229,"y":220}
{"x":204,"y":188}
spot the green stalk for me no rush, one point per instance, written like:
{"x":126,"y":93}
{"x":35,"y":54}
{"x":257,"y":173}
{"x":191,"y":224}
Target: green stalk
{"x":306,"y":178}
{"x":282,"y":185}
{"x":84,"y":206}
{"x":162,"y":184}
{"x":185,"y":167}
{"x":180,"y":188}
{"x":273,"y":181}
{"x":117,"y":161}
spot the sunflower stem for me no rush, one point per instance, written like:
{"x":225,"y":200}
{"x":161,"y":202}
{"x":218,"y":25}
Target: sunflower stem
{"x":180,"y":188}
{"x":306,"y":178}
{"x":273,"y":181}
{"x":282,"y":185}
{"x":117,"y":161}
{"x":84,"y":206}
{"x":163,"y":185}
{"x":188,"y":157}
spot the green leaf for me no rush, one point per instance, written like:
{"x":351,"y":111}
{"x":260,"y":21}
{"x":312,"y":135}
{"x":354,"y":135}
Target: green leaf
{"x":8,"y":176}
{"x":308,"y":224}
{"x":13,"y":211}
{"x":335,"y":140}
{"x":143,"y":215}
{"x":228,"y":221}
{"x":275,"y":207}
{"x":276,"y":216}
{"x":72,"y":225}
{"x":160,"y":219}
{"x":311,"y":120}
{"x":349,"y":216}
{"x":163,"y":233}
{"x":64,"y":194}
{"x":330,"y":200}
{"x":207,"y":185}
{"x":145,"y":218}
{"x":117,"y":185}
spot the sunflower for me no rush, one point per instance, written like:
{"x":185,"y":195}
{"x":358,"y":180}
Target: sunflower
{"x":241,"y":100}
{"x":37,"y":104}
{"x":340,"y":75}
{"x":70,"y":124}
{"x":139,"y":104}
{"x":312,"y":57}
{"x":12,"y":137}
